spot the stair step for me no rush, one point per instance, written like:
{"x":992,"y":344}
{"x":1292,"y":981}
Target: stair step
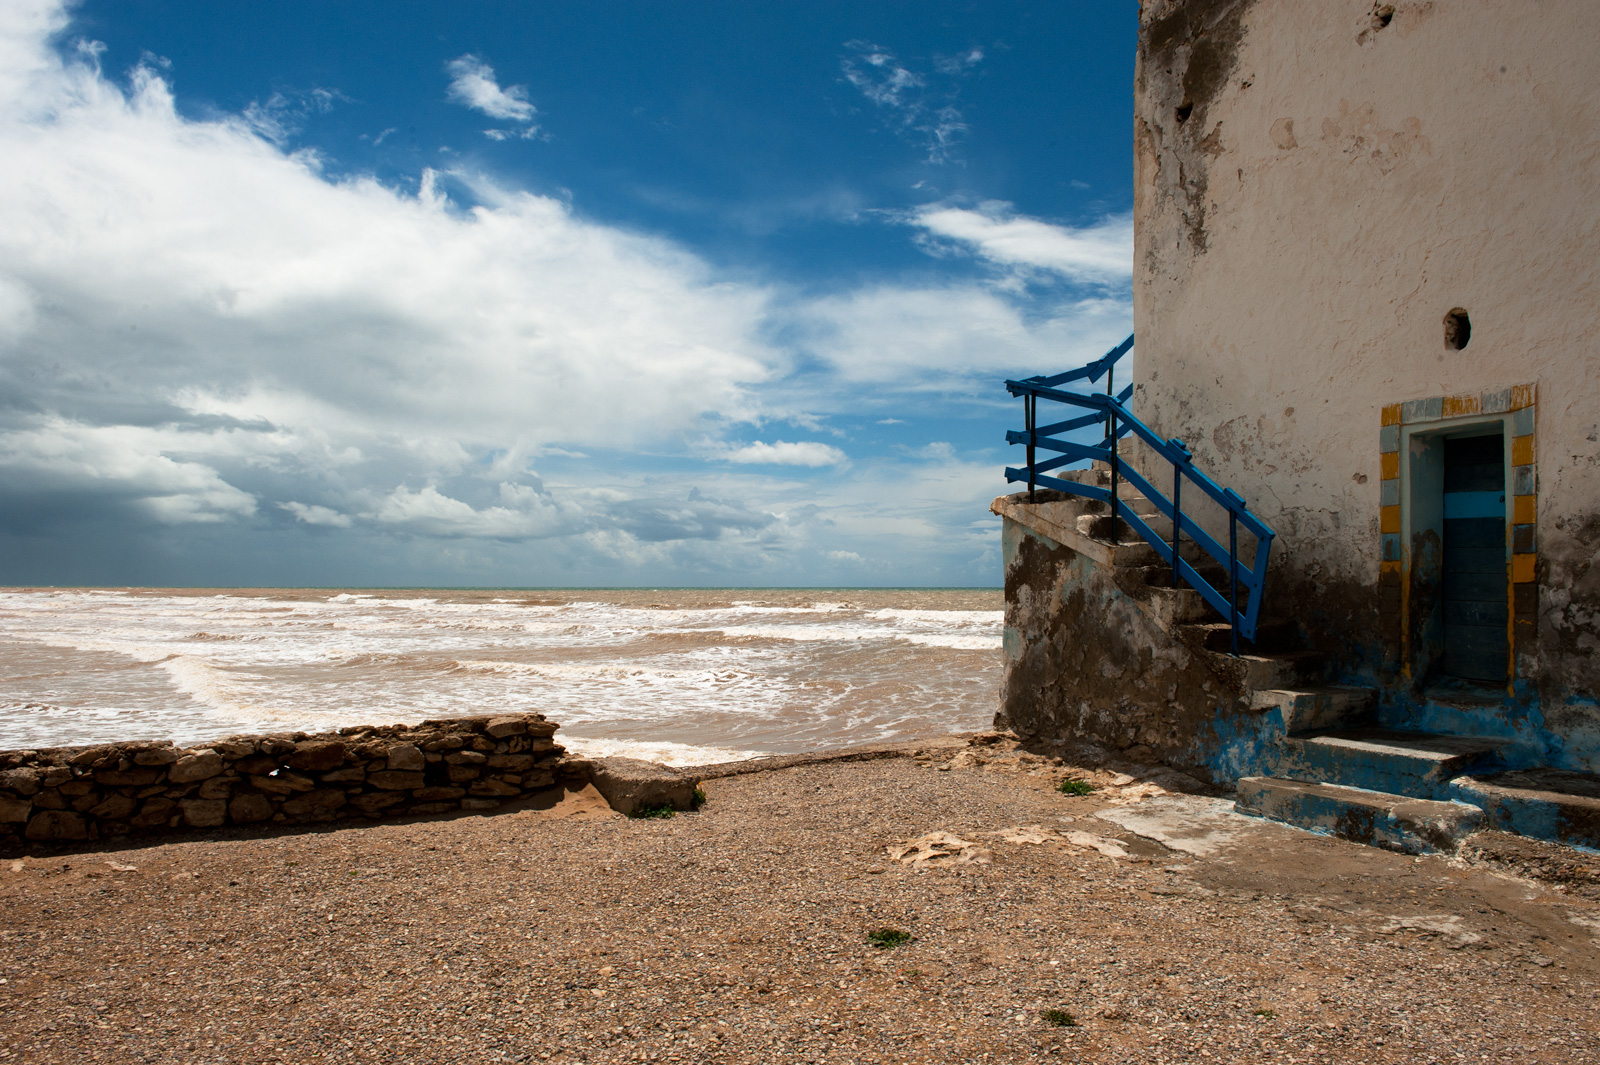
{"x":1318,"y":707}
{"x":1395,"y":822}
{"x":1289,"y":670}
{"x":1413,"y":763}
{"x":1099,"y":527}
{"x":1159,"y":575}
{"x":1176,"y":606}
{"x":1271,"y":637}
{"x":1553,"y":804}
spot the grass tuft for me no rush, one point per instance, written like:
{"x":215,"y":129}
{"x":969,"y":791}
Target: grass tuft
{"x":889,"y":938}
{"x":699,"y":799}
{"x":1074,"y":786}
{"x":662,"y":810}
{"x":1264,"y":1012}
{"x":1059,"y":1018}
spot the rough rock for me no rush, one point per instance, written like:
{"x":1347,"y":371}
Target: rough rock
{"x":406,"y":757}
{"x":198,"y":766}
{"x":631,"y":783}
{"x":501,"y":727}
{"x":50,"y":825}
{"x":249,"y":807}
{"x":317,"y":755}
{"x":394,"y":780}
{"x":204,"y":813}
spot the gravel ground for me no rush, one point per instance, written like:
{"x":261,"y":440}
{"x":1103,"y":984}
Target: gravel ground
{"x":739,"y":934}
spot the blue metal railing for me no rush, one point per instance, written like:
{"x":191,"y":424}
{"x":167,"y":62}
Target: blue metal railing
{"x":1108,"y":409}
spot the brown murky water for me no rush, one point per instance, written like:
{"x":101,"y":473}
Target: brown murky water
{"x":680,"y":675}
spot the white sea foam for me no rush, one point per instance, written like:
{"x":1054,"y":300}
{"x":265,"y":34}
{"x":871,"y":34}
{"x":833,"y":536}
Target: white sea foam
{"x":654,"y":751}
{"x":757,"y":673}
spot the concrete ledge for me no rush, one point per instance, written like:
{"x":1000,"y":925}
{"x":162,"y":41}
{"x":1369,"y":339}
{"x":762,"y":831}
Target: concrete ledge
{"x":1395,"y":822}
{"x":1544,"y":803}
{"x":1056,"y":520}
{"x":865,"y":753}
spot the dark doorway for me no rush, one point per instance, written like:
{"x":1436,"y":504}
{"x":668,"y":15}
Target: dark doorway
{"x":1474,"y":577}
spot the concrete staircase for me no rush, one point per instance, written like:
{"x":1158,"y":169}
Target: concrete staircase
{"x":1275,"y":674}
{"x":1334,"y":770}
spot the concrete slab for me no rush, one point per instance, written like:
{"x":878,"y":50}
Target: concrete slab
{"x":1544,"y":803}
{"x":1197,"y":825}
{"x":1396,"y":822}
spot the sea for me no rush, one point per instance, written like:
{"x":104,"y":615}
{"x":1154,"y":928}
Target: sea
{"x":682,"y":676}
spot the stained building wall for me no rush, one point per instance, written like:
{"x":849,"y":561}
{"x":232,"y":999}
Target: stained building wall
{"x":1316,"y":186}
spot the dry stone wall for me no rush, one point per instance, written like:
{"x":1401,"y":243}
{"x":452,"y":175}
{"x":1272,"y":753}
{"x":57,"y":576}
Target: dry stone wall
{"x":71,"y":794}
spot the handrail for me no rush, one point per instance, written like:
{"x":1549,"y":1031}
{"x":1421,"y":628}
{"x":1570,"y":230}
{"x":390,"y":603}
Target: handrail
{"x":1109,"y":409}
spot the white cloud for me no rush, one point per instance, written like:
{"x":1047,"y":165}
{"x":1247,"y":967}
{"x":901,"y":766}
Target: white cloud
{"x":314,"y":514}
{"x":198,"y":326}
{"x":919,"y":113}
{"x":879,"y":76}
{"x":472,"y":84}
{"x":196,"y":272}
{"x":784,"y":453}
{"x":1099,"y":253}
{"x":523,"y":513}
{"x":941,"y":339}
{"x":122,"y":463}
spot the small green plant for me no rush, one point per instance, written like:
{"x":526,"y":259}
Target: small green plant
{"x":699,"y":799}
{"x":1074,"y":786}
{"x":889,"y":938}
{"x":1264,"y":1012}
{"x":1059,"y":1018}
{"x":660,"y":809}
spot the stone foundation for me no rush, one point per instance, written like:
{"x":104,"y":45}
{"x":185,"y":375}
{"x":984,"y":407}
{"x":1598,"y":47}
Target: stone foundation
{"x":64,"y":795}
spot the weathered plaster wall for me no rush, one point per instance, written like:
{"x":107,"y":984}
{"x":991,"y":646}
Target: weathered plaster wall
{"x":1317,"y":185}
{"x":1085,"y":664}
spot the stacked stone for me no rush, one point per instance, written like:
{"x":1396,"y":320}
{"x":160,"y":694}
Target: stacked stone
{"x":128,"y":789}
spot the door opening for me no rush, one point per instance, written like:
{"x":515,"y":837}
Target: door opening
{"x":1473,"y":580}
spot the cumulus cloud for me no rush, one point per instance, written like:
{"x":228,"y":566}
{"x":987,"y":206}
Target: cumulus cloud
{"x":120,"y":464}
{"x":784,"y":453}
{"x":202,"y":332}
{"x":199,"y":275}
{"x":945,"y":338}
{"x":316,"y":514}
{"x":472,"y":84}
{"x":523,"y":513}
{"x":1102,"y":253}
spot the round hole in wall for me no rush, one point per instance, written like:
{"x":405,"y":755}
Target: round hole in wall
{"x":1457,"y":329}
{"x":1184,"y":110}
{"x":1382,"y":15}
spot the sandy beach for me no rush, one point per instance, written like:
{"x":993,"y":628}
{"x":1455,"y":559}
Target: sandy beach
{"x":741,"y":933}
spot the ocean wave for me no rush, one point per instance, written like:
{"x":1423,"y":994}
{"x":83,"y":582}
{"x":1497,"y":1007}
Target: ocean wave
{"x":665,"y":752}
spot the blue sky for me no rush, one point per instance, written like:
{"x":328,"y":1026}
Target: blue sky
{"x":542,"y":294}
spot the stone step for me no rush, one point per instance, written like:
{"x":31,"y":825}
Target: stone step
{"x":1099,"y":527}
{"x":1556,"y":804}
{"x":1421,"y":764}
{"x":1175,"y":606}
{"x":1395,"y":822}
{"x":1159,"y":574}
{"x":1291,"y":670}
{"x":1272,"y":637}
{"x":1318,"y":707}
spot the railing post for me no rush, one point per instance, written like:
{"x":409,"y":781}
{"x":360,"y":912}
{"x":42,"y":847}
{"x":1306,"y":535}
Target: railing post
{"x":1030,"y":412}
{"x":1233,"y":579}
{"x":1177,"y":513}
{"x":1111,"y":420}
